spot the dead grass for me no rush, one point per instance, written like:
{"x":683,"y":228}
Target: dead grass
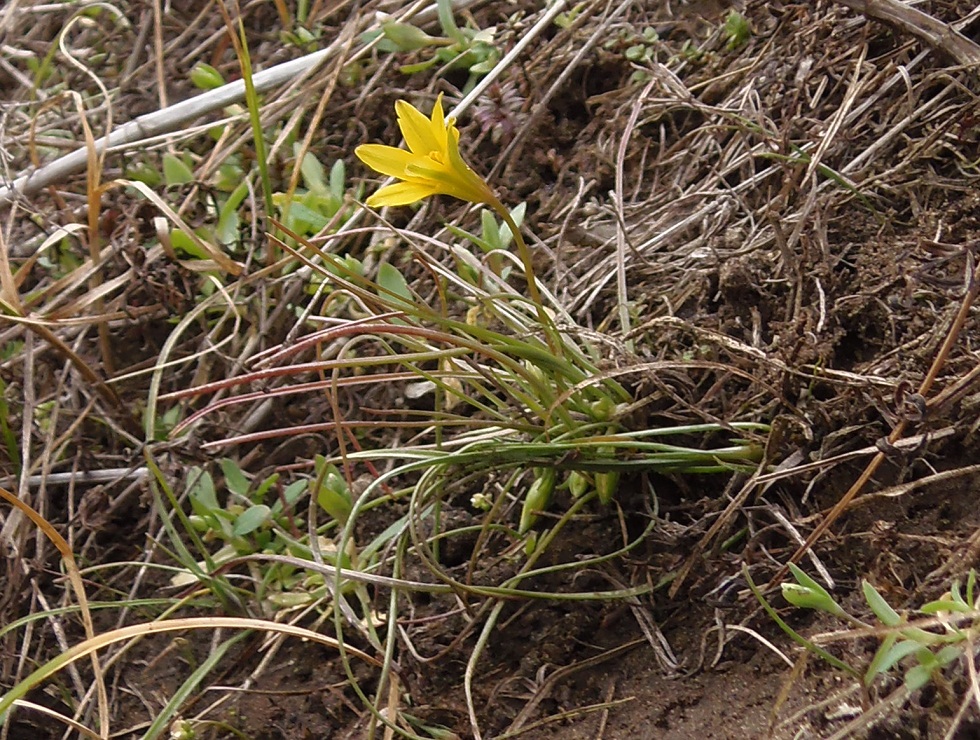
{"x":783,"y":232}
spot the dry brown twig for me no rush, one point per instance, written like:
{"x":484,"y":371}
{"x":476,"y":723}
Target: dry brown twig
{"x":934,"y":32}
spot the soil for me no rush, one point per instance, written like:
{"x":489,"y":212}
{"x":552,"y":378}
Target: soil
{"x":797,"y":214}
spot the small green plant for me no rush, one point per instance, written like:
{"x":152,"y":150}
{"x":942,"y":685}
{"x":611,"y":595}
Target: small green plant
{"x":644,"y":50}
{"x":940,"y":633}
{"x":469,"y":48}
{"x":321,"y":203}
{"x":567,"y":18}
{"x":500,"y":402}
{"x":737,"y":30}
{"x":637,"y":48}
{"x":690,"y":52}
{"x":547,"y":418}
{"x":494,"y":240}
{"x":249,"y":517}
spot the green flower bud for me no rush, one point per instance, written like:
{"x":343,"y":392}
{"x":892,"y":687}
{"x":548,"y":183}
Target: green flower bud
{"x":538,"y":497}
{"x":206,"y":77}
{"x":606,"y":485}
{"x":578,"y":484}
{"x":406,"y":36}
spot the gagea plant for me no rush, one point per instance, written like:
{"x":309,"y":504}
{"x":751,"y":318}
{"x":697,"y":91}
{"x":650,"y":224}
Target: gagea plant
{"x":536,"y":369}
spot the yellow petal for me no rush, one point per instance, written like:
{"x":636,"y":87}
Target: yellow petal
{"x":400,"y":194}
{"x":455,"y":160}
{"x":439,"y":123}
{"x":479,"y":191}
{"x":417,"y":129}
{"x":387,"y":160}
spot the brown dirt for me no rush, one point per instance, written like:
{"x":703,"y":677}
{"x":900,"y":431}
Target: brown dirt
{"x":811,"y":298}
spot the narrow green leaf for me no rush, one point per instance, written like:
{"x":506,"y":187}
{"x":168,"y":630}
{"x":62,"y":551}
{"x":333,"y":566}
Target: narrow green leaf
{"x":330,"y":490}
{"x":809,"y":594}
{"x":917,"y":677}
{"x":949,"y":653}
{"x":181,"y":242}
{"x":516,"y":213}
{"x":264,"y":487}
{"x":164,"y":716}
{"x":945,"y":605}
{"x":338,"y":180}
{"x":314,"y":175}
{"x":793,"y":634}
{"x":491,"y":231}
{"x":302,"y":218}
{"x":409,"y":69}
{"x":229,"y":220}
{"x":888,"y":656}
{"x":448,"y":23}
{"x":405,"y":36}
{"x":482,"y":243}
{"x":293,"y":491}
{"x":879,"y":606}
{"x":201,"y":489}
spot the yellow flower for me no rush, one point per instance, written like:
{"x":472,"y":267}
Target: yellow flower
{"x":431,"y":166}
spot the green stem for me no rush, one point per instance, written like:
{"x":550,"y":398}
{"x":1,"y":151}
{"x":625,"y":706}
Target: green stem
{"x":551,"y":331}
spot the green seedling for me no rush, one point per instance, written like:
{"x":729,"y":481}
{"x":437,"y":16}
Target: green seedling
{"x":644,"y":50}
{"x":566,"y":18}
{"x":321,"y":204}
{"x":302,"y":38}
{"x":638,"y":49}
{"x":247,"y":519}
{"x":737,"y":30}
{"x":495,"y":238}
{"x":331,"y":491}
{"x":691,"y":53}
{"x":943,"y":631}
{"x":468,"y":48}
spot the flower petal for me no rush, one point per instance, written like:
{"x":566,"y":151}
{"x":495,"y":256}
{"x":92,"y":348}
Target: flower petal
{"x":387,"y":160}
{"x":447,"y":183}
{"x":401,"y":194}
{"x":417,"y":129}
{"x":455,"y":159}
{"x":476,"y":186}
{"x":432,"y":165}
{"x":439,"y":123}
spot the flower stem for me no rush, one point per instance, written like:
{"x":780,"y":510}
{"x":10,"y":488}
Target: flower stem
{"x":547,"y":323}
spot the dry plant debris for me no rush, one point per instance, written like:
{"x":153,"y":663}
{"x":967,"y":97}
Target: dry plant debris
{"x":749,"y":219}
